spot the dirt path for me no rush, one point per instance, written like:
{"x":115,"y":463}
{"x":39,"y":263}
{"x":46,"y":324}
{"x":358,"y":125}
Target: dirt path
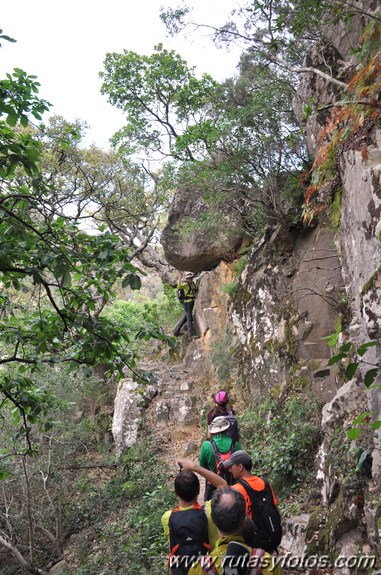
{"x":174,"y":415}
{"x":172,"y":422}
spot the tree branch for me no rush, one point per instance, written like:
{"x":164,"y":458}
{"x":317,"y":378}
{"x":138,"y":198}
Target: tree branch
{"x":19,"y":558}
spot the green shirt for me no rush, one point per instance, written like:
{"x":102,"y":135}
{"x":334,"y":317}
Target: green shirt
{"x":223,"y":442}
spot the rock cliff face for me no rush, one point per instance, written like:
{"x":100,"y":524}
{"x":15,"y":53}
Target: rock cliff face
{"x":295,"y":289}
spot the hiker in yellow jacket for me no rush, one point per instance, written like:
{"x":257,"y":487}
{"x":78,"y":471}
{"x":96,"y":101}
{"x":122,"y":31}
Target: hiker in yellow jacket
{"x":185,"y":282}
{"x":228,"y":514}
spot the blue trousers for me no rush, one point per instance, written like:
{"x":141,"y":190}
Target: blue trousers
{"x":187,"y":318}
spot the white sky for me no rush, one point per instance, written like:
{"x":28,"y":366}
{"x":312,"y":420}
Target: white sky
{"x":64,"y":45}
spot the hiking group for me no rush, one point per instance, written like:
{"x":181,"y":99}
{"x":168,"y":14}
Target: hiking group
{"x":238,"y":528}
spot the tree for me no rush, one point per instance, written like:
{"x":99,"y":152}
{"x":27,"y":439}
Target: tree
{"x":236,"y":140}
{"x":100,"y":187}
{"x":163,"y":100}
{"x":278,"y":32}
{"x":53,"y":274}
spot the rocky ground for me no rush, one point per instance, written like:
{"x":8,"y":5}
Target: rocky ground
{"x":179,"y":431}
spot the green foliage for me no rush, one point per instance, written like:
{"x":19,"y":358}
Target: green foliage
{"x":336,"y":210}
{"x":159,"y":314}
{"x":230,"y":289}
{"x":51,"y":482}
{"x":158,"y":93}
{"x":133,"y":540}
{"x":282,"y":438}
{"x":352,"y":358}
{"x":107,"y":189}
{"x":5,"y":37}
{"x":277,"y":32}
{"x":240,"y":264}
{"x":237,"y":143}
{"x":55,"y":278}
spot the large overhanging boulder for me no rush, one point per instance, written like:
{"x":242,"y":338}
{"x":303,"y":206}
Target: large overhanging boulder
{"x":198,"y":234}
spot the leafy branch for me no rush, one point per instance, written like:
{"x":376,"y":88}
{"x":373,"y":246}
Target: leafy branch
{"x":353,"y":358}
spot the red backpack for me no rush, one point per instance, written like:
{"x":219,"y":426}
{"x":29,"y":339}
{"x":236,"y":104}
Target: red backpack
{"x":220,"y":458}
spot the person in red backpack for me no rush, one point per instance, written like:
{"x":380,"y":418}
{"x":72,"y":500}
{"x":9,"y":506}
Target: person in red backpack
{"x":215,"y":450}
{"x":221,"y":408}
{"x":232,"y":554}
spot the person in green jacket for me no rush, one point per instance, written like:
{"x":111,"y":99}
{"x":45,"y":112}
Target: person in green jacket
{"x":186,"y":283}
{"x":224,"y":446}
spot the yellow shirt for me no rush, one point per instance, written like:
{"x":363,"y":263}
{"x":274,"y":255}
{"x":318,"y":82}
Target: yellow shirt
{"x":212,"y":529}
{"x":219,"y":553}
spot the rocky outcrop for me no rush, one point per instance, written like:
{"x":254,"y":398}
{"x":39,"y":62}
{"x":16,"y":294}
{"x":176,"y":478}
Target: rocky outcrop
{"x":360,"y":247}
{"x":286,"y":303}
{"x":167,"y":405}
{"x":128,"y":406}
{"x":200,"y":234}
{"x":336,"y":53}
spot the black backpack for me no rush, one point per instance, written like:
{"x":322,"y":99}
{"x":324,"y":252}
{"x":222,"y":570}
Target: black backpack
{"x":220,"y":458}
{"x":180,"y":294}
{"x":188,"y":536}
{"x":265,"y":516}
{"x":233,"y":429}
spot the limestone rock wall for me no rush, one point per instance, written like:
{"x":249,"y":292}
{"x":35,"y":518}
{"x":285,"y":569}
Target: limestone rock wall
{"x":286,"y":304}
{"x":360,"y":248}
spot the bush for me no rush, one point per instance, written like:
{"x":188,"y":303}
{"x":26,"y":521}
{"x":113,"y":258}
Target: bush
{"x":162,"y":312}
{"x":282,"y":439}
{"x":127,"y":536}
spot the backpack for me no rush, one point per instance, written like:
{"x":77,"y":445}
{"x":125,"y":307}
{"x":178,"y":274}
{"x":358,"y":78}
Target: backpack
{"x":220,"y":458}
{"x":236,"y":561}
{"x":188,"y":536}
{"x":180,"y":294}
{"x":265,"y":516}
{"x":233,"y":429}
{"x":191,"y":292}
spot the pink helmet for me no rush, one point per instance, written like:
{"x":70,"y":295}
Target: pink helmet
{"x":221,"y":397}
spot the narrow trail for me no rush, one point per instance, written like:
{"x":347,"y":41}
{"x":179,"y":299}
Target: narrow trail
{"x":172,"y":423}
{"x":173,"y":415}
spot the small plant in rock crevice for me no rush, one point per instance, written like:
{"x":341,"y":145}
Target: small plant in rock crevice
{"x":223,"y":358}
{"x":353,"y":358}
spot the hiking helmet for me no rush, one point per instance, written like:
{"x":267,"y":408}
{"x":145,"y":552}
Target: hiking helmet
{"x":188,"y":275}
{"x":221,"y":397}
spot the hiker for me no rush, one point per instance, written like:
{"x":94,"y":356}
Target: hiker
{"x":188,"y":295}
{"x":189,"y":527}
{"x":214,"y":450}
{"x":221,"y":400}
{"x":231,"y":554}
{"x":269,"y":534}
{"x":266,"y":530}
